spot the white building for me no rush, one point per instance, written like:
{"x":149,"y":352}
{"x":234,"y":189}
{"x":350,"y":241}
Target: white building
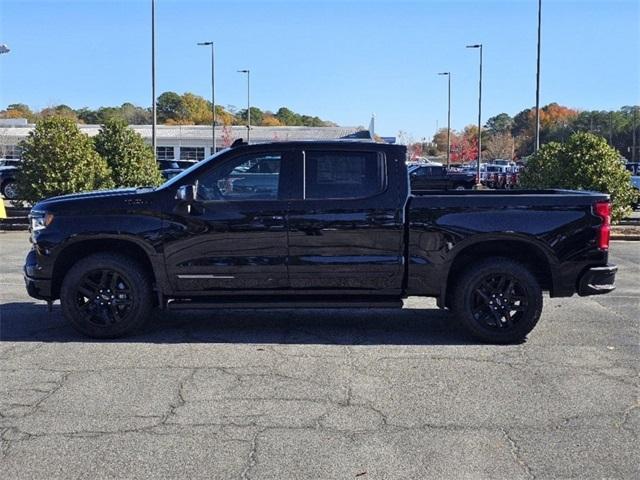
{"x":181,"y":142}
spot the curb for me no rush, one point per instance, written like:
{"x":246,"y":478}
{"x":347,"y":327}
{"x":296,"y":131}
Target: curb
{"x":629,"y":238}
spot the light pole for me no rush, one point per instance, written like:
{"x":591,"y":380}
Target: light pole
{"x":248,"y":103}
{"x":537,"y":144}
{"x":479,"y":45}
{"x":153,"y":77}
{"x":213,"y":95}
{"x":448,"y":74}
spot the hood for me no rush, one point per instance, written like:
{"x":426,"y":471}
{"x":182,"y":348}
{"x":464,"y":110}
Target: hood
{"x":74,"y":198}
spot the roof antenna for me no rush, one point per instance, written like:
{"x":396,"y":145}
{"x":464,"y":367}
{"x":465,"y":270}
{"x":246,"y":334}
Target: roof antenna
{"x":238,"y":142}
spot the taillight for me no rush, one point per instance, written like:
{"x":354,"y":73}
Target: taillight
{"x":603,"y":210}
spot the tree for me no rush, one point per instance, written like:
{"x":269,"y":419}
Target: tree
{"x":18,"y":110}
{"x":91,"y":117}
{"x":134,"y":115}
{"x":501,"y":123}
{"x":170,"y":106}
{"x":287,"y":117}
{"x":59,"y":111}
{"x":256,"y":116}
{"x":584,"y":162}
{"x":440,"y":140}
{"x":498,"y":145}
{"x":131,"y":161}
{"x":270,"y":121}
{"x":198,"y":109}
{"x":58,"y":159}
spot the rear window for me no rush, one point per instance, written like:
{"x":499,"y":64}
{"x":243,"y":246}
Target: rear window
{"x":343,"y":174}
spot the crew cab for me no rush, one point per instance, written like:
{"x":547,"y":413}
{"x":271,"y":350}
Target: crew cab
{"x":438,"y":177}
{"x":315,"y":224}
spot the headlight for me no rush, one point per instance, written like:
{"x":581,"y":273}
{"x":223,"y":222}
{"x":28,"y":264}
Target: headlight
{"x":40,"y":220}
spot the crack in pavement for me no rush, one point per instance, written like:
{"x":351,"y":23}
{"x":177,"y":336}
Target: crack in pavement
{"x":517,"y":454}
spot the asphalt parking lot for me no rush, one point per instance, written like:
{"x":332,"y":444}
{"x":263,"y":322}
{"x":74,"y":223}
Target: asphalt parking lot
{"x":321,"y":394}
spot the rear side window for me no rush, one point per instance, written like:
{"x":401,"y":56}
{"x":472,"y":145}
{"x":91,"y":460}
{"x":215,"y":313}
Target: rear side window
{"x":343,"y":174}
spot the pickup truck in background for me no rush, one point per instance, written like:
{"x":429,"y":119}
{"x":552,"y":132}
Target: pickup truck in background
{"x":315,"y":224}
{"x":438,"y":177}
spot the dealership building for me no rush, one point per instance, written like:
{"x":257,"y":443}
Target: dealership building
{"x":185,"y":142}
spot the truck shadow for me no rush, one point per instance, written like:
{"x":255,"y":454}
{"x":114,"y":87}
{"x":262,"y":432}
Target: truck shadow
{"x":32,"y":322}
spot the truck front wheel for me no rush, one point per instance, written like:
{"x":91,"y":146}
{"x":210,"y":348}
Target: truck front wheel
{"x":106,"y":295}
{"x":497,"y":301}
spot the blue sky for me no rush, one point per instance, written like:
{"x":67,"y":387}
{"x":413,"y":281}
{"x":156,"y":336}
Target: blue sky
{"x":338,"y":60}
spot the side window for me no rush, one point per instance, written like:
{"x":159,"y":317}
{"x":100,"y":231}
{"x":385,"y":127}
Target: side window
{"x":250,"y":177}
{"x":343,"y":174}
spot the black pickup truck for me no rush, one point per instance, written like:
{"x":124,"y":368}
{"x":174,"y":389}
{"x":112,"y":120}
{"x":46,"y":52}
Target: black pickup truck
{"x":315,"y":224}
{"x":437,"y":177}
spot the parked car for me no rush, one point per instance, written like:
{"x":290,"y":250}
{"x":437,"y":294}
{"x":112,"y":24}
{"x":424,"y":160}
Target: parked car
{"x":8,"y":184}
{"x":633,"y":167}
{"x":437,"y":177}
{"x":635,"y":183}
{"x":339,"y":228}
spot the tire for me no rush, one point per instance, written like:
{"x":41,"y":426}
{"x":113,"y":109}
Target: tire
{"x":10,"y":190}
{"x":497,"y":301}
{"x":106,"y":295}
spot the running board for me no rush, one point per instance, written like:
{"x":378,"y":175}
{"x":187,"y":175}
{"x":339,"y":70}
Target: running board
{"x":269,"y":304}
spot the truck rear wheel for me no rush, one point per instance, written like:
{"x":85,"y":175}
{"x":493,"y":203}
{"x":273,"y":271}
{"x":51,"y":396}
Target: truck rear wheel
{"x":106,"y":296}
{"x":497,"y":301}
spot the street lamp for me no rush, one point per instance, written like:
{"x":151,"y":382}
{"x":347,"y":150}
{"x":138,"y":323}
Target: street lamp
{"x":248,"y":103}
{"x":479,"y":45}
{"x":448,"y":74}
{"x":153,"y":77}
{"x":213,"y":94}
{"x":537,"y":144}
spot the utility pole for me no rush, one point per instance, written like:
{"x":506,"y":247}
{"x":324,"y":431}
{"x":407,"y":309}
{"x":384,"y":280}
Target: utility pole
{"x":448,"y":74}
{"x":153,"y":77}
{"x":537,"y":144}
{"x":478,"y":183}
{"x":248,"y":72}
{"x":633,"y":149}
{"x":213,"y":95}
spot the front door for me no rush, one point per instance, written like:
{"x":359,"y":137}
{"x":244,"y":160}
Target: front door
{"x":234,"y":236}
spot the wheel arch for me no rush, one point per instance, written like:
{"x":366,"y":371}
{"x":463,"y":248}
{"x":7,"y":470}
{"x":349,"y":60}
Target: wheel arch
{"x":78,"y":250}
{"x":526,"y":252}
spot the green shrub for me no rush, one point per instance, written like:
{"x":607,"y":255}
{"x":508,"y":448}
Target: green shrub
{"x":58,"y":159}
{"x":131,"y":160}
{"x":584,"y":162}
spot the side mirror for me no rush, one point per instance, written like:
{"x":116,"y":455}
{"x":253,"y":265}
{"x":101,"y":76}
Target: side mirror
{"x":186,"y":193}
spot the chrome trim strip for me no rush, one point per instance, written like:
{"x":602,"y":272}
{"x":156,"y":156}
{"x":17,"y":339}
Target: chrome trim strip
{"x":195,"y":276}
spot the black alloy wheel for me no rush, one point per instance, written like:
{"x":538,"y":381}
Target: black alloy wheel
{"x":104,"y":298}
{"x":107,"y":295}
{"x":497,"y":300}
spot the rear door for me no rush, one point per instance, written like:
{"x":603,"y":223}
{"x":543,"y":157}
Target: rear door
{"x":346,"y":223}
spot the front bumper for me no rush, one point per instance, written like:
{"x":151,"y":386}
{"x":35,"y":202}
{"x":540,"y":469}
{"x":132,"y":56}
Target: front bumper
{"x":37,"y":287}
{"x":597,"y":280}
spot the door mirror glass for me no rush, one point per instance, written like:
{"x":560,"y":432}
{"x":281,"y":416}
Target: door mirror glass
{"x":186,"y":193}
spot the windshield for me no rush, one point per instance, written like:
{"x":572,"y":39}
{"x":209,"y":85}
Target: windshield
{"x":178,"y":178}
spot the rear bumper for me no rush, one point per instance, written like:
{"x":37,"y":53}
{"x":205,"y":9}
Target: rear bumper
{"x":597,"y":280}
